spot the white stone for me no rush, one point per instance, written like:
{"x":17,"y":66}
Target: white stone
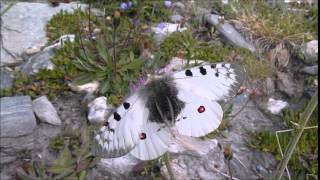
{"x":88,"y":87}
{"x":167,"y":28}
{"x":225,"y":1}
{"x":45,"y":111}
{"x":229,"y":32}
{"x":310,"y":52}
{"x":33,"y":50}
{"x":98,"y":110}
{"x":275,"y":106}
{"x":60,"y":41}
{"x":312,"y":47}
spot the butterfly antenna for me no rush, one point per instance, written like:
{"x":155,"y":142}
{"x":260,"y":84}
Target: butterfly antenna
{"x":171,"y":110}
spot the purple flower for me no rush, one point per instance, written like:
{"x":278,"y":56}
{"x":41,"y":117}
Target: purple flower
{"x":167,"y":3}
{"x":136,"y":21}
{"x":161,"y":25}
{"x":129,"y":4}
{"x":124,"y":6}
{"x":134,"y":86}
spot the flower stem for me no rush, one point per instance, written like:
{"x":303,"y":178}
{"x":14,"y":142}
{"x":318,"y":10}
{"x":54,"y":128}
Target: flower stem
{"x":304,"y":118}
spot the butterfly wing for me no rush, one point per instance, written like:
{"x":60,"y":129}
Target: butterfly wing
{"x":200,"y":88}
{"x":214,"y":82}
{"x":121,"y":134}
{"x":153,"y":143}
{"x":199,"y":117}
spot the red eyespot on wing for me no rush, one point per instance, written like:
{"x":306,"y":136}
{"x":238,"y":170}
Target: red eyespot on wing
{"x":201,"y":109}
{"x":142,"y":136}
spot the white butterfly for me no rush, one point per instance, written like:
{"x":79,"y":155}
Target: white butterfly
{"x":186,"y":100}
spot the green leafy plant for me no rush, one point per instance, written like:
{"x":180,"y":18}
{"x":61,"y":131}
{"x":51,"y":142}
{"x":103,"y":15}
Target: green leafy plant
{"x":73,"y":161}
{"x":112,"y":59}
{"x":304,"y":159}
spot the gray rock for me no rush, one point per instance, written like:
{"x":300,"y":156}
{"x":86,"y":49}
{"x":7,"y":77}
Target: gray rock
{"x":38,"y":61}
{"x":312,"y":70}
{"x":121,"y":167}
{"x":16,"y":116}
{"x":176,"y":18}
{"x":6,"y":158}
{"x":14,"y":148}
{"x":5,"y":176}
{"x":45,"y":111}
{"x":22,"y":28}
{"x":6,"y":79}
{"x":310,"y":52}
{"x":193,"y":158}
{"x":229,"y":32}
{"x":11,"y":146}
{"x":288,"y":85}
{"x":34,"y":144}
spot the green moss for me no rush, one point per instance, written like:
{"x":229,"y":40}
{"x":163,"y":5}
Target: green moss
{"x":6,"y":92}
{"x":49,"y":82}
{"x":57,"y":143}
{"x":65,"y":23}
{"x":304,"y":159}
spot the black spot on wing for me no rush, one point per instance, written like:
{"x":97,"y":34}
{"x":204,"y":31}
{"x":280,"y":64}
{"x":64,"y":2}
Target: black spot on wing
{"x":213,"y":66}
{"x":126,"y":105}
{"x":203,"y":71}
{"x":106,"y":123}
{"x":217,"y":74}
{"x":116,"y":116}
{"x":188,"y":72}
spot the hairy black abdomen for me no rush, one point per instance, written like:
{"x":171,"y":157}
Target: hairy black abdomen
{"x":163,"y":92}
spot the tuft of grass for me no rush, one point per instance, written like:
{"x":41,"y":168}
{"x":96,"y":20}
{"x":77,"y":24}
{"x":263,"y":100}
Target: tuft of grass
{"x":151,"y":169}
{"x":304,"y":158}
{"x":255,"y":68}
{"x":271,"y":26}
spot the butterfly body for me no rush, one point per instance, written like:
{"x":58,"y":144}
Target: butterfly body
{"x":185,"y":100}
